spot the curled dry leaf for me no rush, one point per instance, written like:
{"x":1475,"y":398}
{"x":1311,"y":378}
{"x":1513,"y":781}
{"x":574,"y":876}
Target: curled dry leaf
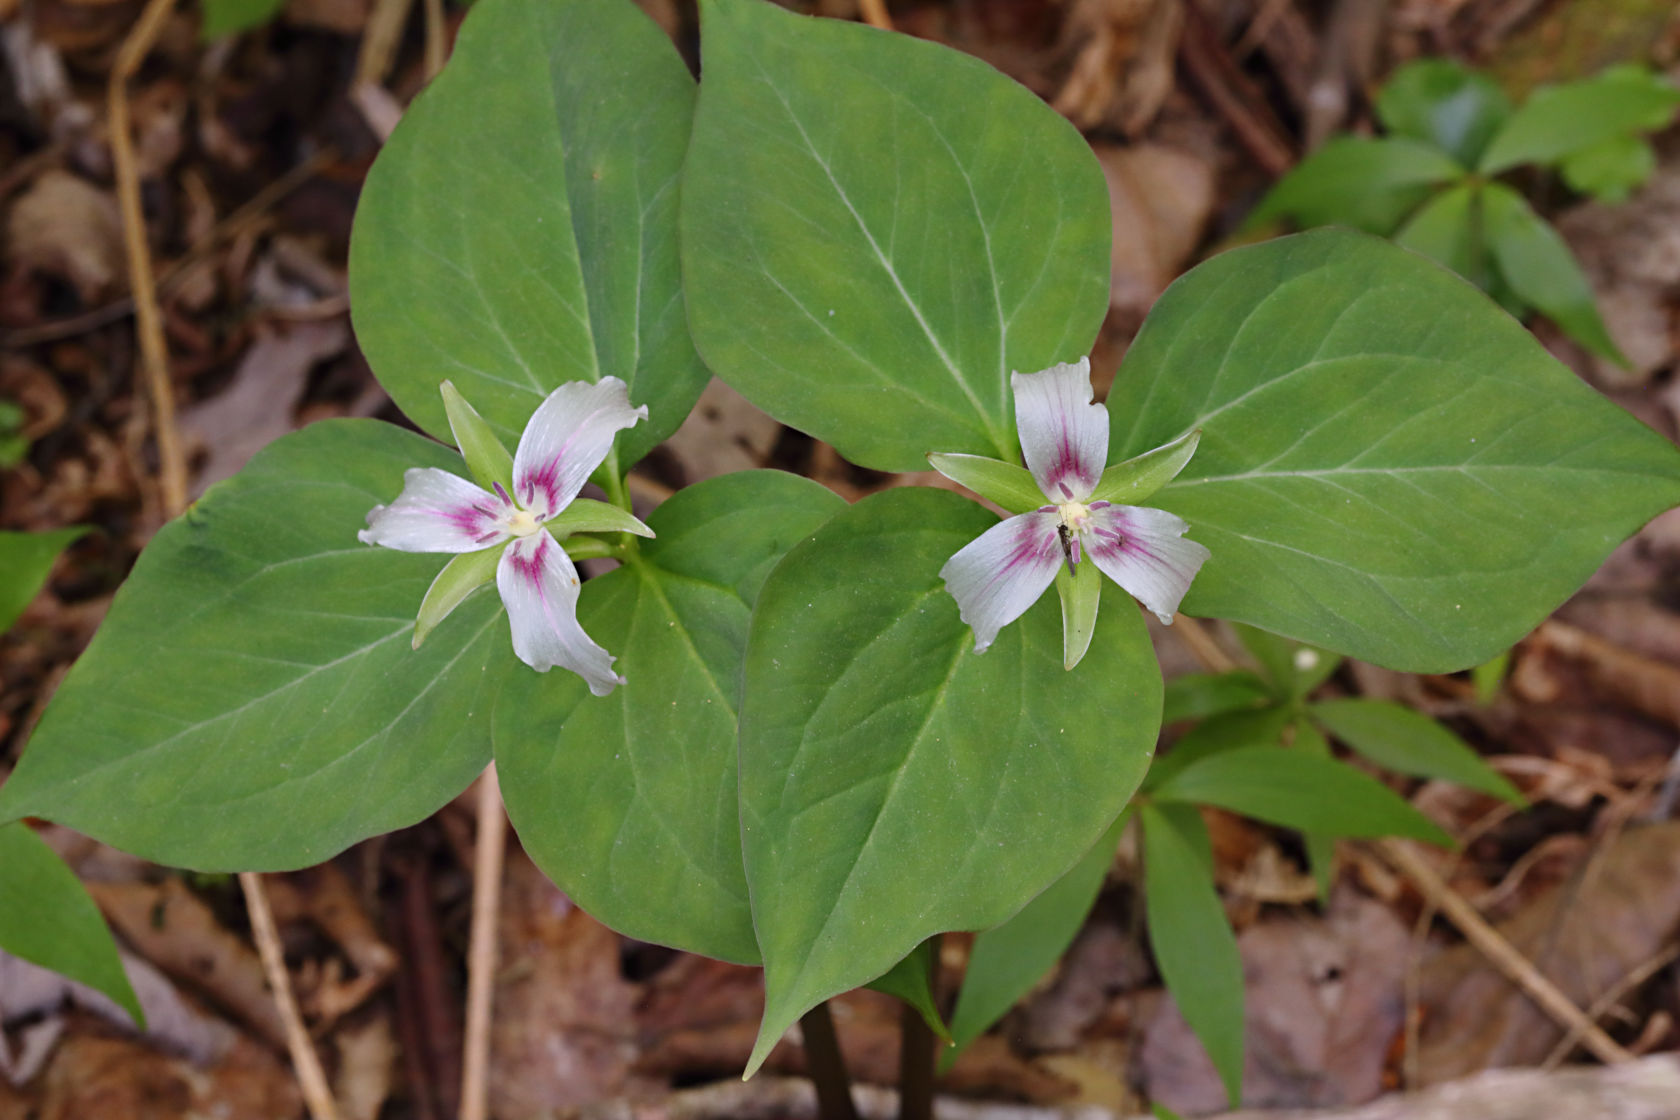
{"x":168,"y":925}
{"x":66,"y":227}
{"x":1161,"y":199}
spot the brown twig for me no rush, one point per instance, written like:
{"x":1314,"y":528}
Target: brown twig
{"x":154,"y":351}
{"x":436,"y":49}
{"x":172,"y":482}
{"x":1504,"y":956}
{"x":1202,"y":645}
{"x":481,"y":950}
{"x":304,"y":1059}
{"x":875,"y":14}
{"x":1600,"y":1006}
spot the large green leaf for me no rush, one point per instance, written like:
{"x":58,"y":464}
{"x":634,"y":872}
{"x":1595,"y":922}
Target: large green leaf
{"x":1008,"y":960}
{"x":1224,"y":731}
{"x":1390,"y":466}
{"x":1444,"y":104}
{"x":1193,"y":943}
{"x":1359,"y":181}
{"x":26,"y":560}
{"x":1559,"y":120}
{"x":1299,"y":790}
{"x":1535,"y":263}
{"x":629,"y":802}
{"x":46,"y":917}
{"x":1409,"y":742}
{"x":877,"y":230}
{"x":252,"y":700}
{"x":519,"y":229}
{"x":893,"y":783}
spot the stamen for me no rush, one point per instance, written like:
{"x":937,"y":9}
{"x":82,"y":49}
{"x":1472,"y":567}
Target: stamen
{"x":1066,"y":492}
{"x":503,"y":493}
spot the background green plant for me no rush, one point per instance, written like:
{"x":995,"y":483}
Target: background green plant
{"x":1259,"y":747}
{"x":1432,"y":182}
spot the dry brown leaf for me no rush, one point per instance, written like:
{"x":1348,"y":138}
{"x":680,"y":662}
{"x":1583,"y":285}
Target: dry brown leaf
{"x":367,"y":1057}
{"x":169,"y":926}
{"x":1324,"y":1002}
{"x":171,"y":1022}
{"x":1584,"y":935}
{"x":258,"y":406}
{"x":724,"y":433}
{"x":563,"y":1034}
{"x":94,"y":1078}
{"x":67,"y":227}
{"x":1161,"y":199}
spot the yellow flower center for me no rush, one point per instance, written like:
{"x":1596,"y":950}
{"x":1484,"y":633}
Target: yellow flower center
{"x":1074,"y":514}
{"x":522,"y":524}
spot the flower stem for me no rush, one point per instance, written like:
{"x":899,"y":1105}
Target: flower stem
{"x":917,"y":1049}
{"x":826,"y":1065}
{"x":612,"y":482}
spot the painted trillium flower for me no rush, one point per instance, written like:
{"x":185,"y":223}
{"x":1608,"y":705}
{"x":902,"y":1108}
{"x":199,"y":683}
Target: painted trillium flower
{"x":513,"y":530}
{"x":1068,"y":516}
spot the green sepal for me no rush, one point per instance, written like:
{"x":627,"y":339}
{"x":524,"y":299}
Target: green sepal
{"x":460,"y":577}
{"x":1081,"y":593}
{"x":488,"y":460}
{"x":585,"y":515}
{"x":1007,"y":484}
{"x":1134,"y":480}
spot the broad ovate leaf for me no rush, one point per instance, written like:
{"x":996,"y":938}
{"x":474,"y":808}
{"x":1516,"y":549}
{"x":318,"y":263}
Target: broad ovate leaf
{"x":629,"y":803}
{"x":878,"y":230}
{"x":47,"y":918}
{"x":1390,"y":466}
{"x":519,"y":229}
{"x":894,"y":784}
{"x":252,"y":700}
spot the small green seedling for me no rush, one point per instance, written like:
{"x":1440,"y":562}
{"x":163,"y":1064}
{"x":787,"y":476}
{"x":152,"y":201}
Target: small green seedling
{"x":1433,"y":183}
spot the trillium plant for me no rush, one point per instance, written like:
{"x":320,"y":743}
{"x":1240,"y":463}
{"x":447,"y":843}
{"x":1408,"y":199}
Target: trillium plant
{"x":784,"y":730}
{"x":1064,"y":437}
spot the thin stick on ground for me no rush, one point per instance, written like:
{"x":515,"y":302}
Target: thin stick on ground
{"x":310,"y":1076}
{"x":875,"y":14}
{"x":481,"y":949}
{"x":1202,"y":645}
{"x":172,"y":486}
{"x":1504,"y":956}
{"x":154,"y":352}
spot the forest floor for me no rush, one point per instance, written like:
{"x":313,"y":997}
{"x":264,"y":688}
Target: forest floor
{"x":251,"y":152}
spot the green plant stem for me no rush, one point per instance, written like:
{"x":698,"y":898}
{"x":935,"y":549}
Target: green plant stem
{"x":918,"y":1049}
{"x":826,"y":1065}
{"x":612,"y":482}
